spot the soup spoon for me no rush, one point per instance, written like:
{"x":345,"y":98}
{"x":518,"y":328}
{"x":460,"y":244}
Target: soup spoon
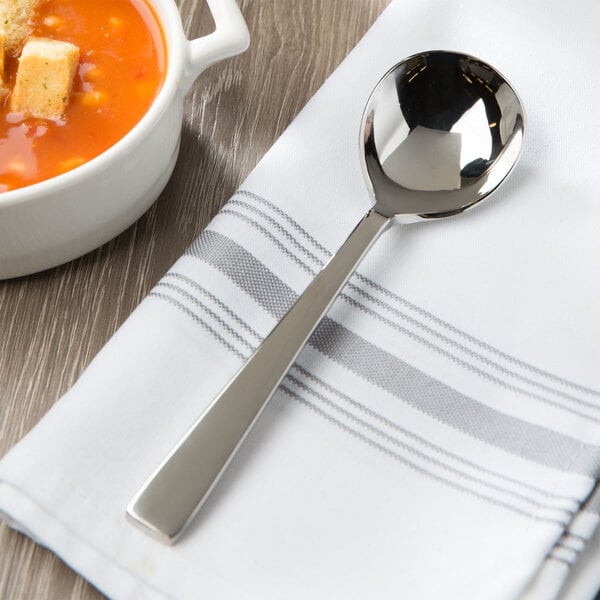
{"x":440,"y":132}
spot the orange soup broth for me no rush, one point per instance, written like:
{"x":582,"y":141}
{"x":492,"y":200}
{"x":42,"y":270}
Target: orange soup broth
{"x":121,"y":69}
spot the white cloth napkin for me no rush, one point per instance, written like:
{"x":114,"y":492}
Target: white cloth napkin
{"x":440,"y":435}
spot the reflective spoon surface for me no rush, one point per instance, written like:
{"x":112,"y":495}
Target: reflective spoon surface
{"x":440,"y":132}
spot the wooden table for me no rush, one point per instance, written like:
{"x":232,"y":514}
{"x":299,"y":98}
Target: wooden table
{"x":53,"y":323}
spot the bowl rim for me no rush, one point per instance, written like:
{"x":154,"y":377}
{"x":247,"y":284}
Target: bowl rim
{"x":176,"y":47}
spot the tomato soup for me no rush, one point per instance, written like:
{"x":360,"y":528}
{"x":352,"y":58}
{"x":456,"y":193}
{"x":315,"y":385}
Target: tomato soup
{"x":121,"y":69}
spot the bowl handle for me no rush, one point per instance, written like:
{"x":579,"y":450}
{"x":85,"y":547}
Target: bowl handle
{"x":229,"y":38}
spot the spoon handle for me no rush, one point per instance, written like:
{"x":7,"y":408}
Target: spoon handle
{"x":165,"y":504}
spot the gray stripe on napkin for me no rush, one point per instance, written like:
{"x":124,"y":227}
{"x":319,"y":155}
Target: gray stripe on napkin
{"x":388,"y":372}
{"x":452,"y":472}
{"x":372,"y":436}
{"x":251,"y":199}
{"x":402,"y":317}
{"x":352,"y":410}
{"x":413,"y":465}
{"x":334,"y":393}
{"x":246,"y":271}
{"x":349,"y":409}
{"x":450,"y":406}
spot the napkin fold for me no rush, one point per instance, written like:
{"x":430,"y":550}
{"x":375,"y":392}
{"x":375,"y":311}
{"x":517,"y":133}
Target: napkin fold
{"x":440,"y":434}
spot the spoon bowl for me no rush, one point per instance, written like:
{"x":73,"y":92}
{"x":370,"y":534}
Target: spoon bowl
{"x":440,"y":131}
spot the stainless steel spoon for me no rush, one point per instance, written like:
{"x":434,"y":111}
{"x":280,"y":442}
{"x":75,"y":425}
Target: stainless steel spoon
{"x":440,"y":131}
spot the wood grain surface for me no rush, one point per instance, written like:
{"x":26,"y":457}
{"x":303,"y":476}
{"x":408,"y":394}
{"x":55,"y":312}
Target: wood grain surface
{"x":53,"y":323}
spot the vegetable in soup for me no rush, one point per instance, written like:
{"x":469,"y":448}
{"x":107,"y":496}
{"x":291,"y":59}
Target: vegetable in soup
{"x":115,"y":77}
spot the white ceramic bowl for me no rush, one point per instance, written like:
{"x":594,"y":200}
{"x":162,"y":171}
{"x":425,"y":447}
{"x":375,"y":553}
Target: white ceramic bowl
{"x":57,"y":220}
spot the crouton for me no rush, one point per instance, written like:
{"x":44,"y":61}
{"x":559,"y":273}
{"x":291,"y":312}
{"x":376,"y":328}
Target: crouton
{"x":16,"y":18}
{"x":44,"y":78}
